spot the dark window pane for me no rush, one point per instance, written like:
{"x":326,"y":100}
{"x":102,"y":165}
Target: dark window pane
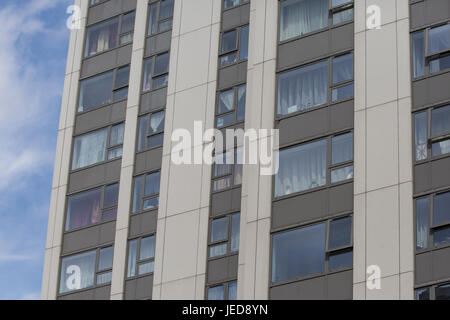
{"x":142,"y":134}
{"x":343,"y":92}
{"x":101,"y":37}
{"x":219,"y":229}
{"x":440,"y":121}
{"x":137,"y":194}
{"x":440,"y":64}
{"x":83,"y":209}
{"x":122,"y":77}
{"x":343,"y":68}
{"x":147,"y":250}
{"x":77,"y":272}
{"x":422,"y":223}
{"x":160,"y":81}
{"x":132,"y":257}
{"x":216,"y":293}
{"x":298,"y":253}
{"x":120,"y":94}
{"x":340,"y":233}
{"x":155,"y":141}
{"x":229,"y":41}
{"x":439,"y":39}
{"x":232,"y":290}
{"x":226,"y":101}
{"x":418,"y":43}
{"x":166,"y":9}
{"x":95,"y":92}
{"x":104,"y":278}
{"x":443,"y":292}
{"x":242,"y":93}
{"x":441,"y":236}
{"x":105,"y":259}
{"x":340,"y":260}
{"x":244,"y":43}
{"x":111,"y":196}
{"x":161,"y":64}
{"x":109,"y":215}
{"x":421,"y":136}
{"x":230,"y":3}
{"x":151,"y":203}
{"x":342,"y":148}
{"x":423,"y":294}
{"x":152,"y":19}
{"x":152,"y":184}
{"x":235,"y":231}
{"x":128,"y":22}
{"x":441,"y":208}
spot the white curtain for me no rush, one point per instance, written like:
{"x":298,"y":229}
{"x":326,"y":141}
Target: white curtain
{"x":303,"y":88}
{"x":422,"y":219}
{"x":301,"y":168}
{"x":132,"y":255}
{"x":226,"y":101}
{"x":89,"y":148}
{"x":157,"y":122}
{"x":418,"y":42}
{"x":235,"y":231}
{"x":420,"y":135}
{"x":299,"y":17}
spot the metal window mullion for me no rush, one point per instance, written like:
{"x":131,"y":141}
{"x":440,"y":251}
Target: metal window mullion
{"x":430,"y":221}
{"x":97,"y":258}
{"x":327,"y":239}
{"x":158,"y":18}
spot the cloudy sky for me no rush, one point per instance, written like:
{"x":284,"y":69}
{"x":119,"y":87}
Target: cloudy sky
{"x":33,"y":49}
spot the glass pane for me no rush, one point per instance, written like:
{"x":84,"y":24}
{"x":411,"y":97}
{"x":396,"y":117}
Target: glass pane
{"x":83,"y":209}
{"x":340,"y":260}
{"x":303,"y":88}
{"x":298,"y":17}
{"x":216,"y":293}
{"x":440,"y":148}
{"x":105,"y":260}
{"x":104,"y":278}
{"x":222,"y":184}
{"x":89,"y":149}
{"x":440,"y":121}
{"x":137,"y":194}
{"x":342,"y":148}
{"x":109,"y":215}
{"x":120,"y":94}
{"x":166,"y":9}
{"x":161,"y":64}
{"x":145,"y":268}
{"x":343,"y":92}
{"x":342,"y":174}
{"x":128,"y":22}
{"x":343,"y":68}
{"x":77,"y":272}
{"x":443,"y":292}
{"x":298,"y":253}
{"x":441,"y":209}
{"x":337,"y":3}
{"x":226,"y":101}
{"x":421,"y":136}
{"x":95,"y":91}
{"x":122,"y":77}
{"x":126,"y":38}
{"x":301,"y":168}
{"x":439,"y":39}
{"x":152,"y":184}
{"x":219,"y":229}
{"x":225,"y":120}
{"x":340,"y":233}
{"x":116,"y":137}
{"x":418,"y":43}
{"x":156,"y":141}
{"x":115,"y":153}
{"x":101,"y":37}
{"x":132,"y":255}
{"x":422,"y":223}
{"x":142,"y":134}
{"x":229,"y":41}
{"x":147,"y":74}
{"x":232,"y":290}
{"x":242,"y":93}
{"x":165,"y":25}
{"x":228,"y":59}
{"x":244,"y":43}
{"x":156,"y":122}
{"x":147,"y":248}
{"x":160,"y":81}
{"x":441,"y":236}
{"x":218,"y":250}
{"x":151,"y":203}
{"x":230,"y":3}
{"x":423,"y":294}
{"x":440,"y":64}
{"x":220,"y":166}
{"x":111,"y":195}
{"x":343,"y":16}
{"x":235,"y":231}
{"x":152,"y":19}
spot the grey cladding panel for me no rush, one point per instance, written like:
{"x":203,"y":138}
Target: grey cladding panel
{"x":340,"y":286}
{"x":106,"y":61}
{"x":95,"y":176}
{"x":236,"y":17}
{"x":143,"y":223}
{"x":158,"y":43}
{"x":427,"y":12}
{"x":89,"y":237}
{"x":311,"y":289}
{"x":101,"y":293}
{"x":100,"y":117}
{"x":432,"y":266}
{"x":148,"y":161}
{"x":139,"y":289}
{"x":226,"y":201}
{"x":153,"y":100}
{"x":109,"y":9}
{"x":431,"y":90}
{"x":232,"y":75}
{"x":432,"y":175}
{"x":222,"y":269}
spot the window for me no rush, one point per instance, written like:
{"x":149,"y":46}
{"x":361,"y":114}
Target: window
{"x":231,"y":106}
{"x":435,"y":292}
{"x":227,"y":170}
{"x":233,"y":3}
{"x":436,"y":140}
{"x":109,"y":34}
{"x":304,"y":167}
{"x":92,"y":148}
{"x":91,"y":207}
{"x":156,"y":71}
{"x":224,"y":235}
{"x":307,"y":86}
{"x":160,"y":16}
{"x":146,"y":192}
{"x":433,"y":223}
{"x":151,"y":131}
{"x":104,"y":89}
{"x":141,"y":256}
{"x":226,"y":291}
{"x":304,"y":251}
{"x":431,"y":50}
{"x":300,"y":17}
{"x":86,"y":270}
{"x":234,"y":46}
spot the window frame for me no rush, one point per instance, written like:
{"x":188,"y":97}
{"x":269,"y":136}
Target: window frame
{"x":148,"y":117}
{"x":231,"y":175}
{"x":226,"y":287}
{"x":142,"y":196}
{"x":227,"y":241}
{"x":97,"y":272}
{"x":330,"y":85}
{"x":234,"y":111}
{"x":241,"y":3}
{"x":138,"y":261}
{"x":158,"y":20}
{"x":152,"y":73}
{"x":236,"y":50}
{"x":431,"y":287}
{"x":327,"y":253}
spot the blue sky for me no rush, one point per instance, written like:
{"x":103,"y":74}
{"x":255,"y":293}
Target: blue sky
{"x":33,"y":49}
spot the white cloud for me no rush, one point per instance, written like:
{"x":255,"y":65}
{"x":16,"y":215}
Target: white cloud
{"x":31,"y":296}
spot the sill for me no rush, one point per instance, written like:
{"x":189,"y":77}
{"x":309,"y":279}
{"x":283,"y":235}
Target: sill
{"x":100,"y":107}
{"x":144,"y":211}
{"x":83,"y":290}
{"x":229,"y":126}
{"x":429,"y":75}
{"x":231,"y":64}
{"x":309,"y":277}
{"x":153,"y":89}
{"x":93,"y":165}
{"x":432,"y":159}
{"x":106,"y":51}
{"x":88,"y":227}
{"x":147,"y":36}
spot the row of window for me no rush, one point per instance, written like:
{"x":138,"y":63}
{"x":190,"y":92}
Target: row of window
{"x":437,"y":292}
{"x":224,"y":235}
{"x":233,"y":3}
{"x":225,"y":291}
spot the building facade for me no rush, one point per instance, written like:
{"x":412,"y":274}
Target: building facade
{"x":359,"y":208}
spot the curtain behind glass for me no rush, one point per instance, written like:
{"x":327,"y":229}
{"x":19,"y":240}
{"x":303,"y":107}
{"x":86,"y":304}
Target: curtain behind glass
{"x":440,"y":121}
{"x":420,"y":135}
{"x":299,"y":17}
{"x":157,"y":122}
{"x":83,"y":209}
{"x":303,"y":88}
{"x":70,"y":278}
{"x":132,"y":255}
{"x":418,"y":42}
{"x":95,"y":92}
{"x":216,"y":293}
{"x":422,"y":223}
{"x":439,"y":39}
{"x":89,"y":149}
{"x":301,"y":168}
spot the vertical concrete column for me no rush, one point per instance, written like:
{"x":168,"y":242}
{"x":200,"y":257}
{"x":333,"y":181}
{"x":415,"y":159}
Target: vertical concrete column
{"x":181,"y":239}
{"x":61,"y":169}
{"x":129,"y":152}
{"x":254,"y":249}
{"x":383,"y":207}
